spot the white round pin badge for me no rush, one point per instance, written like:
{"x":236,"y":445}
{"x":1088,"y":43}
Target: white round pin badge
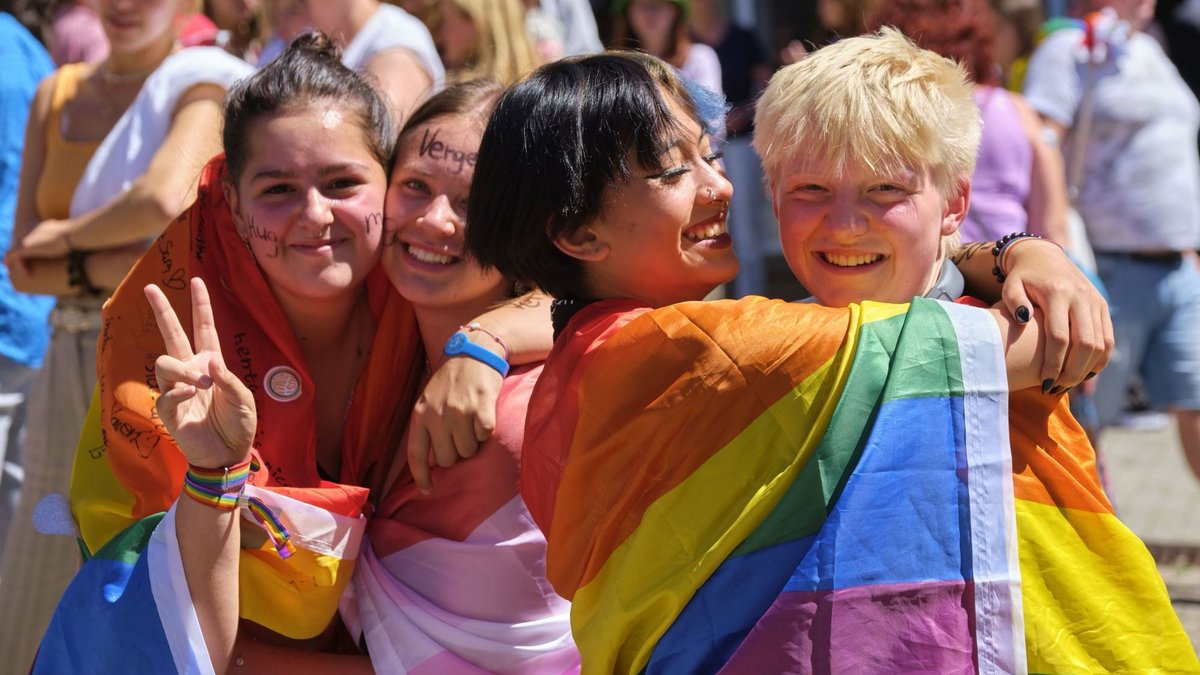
{"x":282,"y":384}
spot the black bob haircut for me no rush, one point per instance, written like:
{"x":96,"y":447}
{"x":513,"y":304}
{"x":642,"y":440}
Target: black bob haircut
{"x":554,"y":143}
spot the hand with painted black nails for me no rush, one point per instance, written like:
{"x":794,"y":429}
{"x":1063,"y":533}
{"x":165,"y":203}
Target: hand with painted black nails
{"x":1074,"y":318}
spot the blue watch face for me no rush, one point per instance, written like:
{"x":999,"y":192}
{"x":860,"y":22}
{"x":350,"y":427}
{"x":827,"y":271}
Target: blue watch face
{"x":455,"y":344}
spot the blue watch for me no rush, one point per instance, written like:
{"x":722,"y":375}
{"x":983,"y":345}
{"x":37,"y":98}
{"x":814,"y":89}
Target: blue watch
{"x":460,"y":345}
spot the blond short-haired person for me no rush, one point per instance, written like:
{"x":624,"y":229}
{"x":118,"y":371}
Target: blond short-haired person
{"x":869,"y":146}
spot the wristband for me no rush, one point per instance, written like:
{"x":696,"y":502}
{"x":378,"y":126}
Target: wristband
{"x":1000,"y":251}
{"x":218,"y":488}
{"x":222,"y":488}
{"x":460,"y":345}
{"x":77,"y":274}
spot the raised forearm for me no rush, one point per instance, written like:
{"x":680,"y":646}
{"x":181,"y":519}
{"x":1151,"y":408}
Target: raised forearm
{"x":209,"y":543}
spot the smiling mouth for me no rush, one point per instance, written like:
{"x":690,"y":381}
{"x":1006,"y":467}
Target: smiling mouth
{"x":705,"y":231}
{"x":314,"y":245}
{"x":850,"y":260}
{"x":429,"y":257}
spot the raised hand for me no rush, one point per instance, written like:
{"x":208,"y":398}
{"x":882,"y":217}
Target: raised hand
{"x":207,"y":409}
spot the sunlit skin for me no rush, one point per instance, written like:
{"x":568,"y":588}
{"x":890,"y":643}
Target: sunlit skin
{"x":309,"y":201}
{"x":426,"y":217}
{"x":862,"y":234}
{"x":661,"y":236}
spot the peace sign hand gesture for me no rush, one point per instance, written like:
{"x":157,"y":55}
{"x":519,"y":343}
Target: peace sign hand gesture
{"x":207,"y":409}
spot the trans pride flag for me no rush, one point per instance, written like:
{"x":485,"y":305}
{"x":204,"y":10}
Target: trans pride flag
{"x":757,"y":486}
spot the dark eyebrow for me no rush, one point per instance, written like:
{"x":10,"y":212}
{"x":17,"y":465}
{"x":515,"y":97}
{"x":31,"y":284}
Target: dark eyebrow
{"x":275,"y":174}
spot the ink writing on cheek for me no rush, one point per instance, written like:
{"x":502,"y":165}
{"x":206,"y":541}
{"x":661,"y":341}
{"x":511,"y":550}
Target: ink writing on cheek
{"x":373,"y":220}
{"x":433,"y":148}
{"x":268,"y":236}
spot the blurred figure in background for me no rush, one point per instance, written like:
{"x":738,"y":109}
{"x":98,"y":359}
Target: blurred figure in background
{"x":112,"y":155}
{"x":380,"y":39}
{"x":579,"y":31}
{"x":1018,"y":183}
{"x":1015,"y":35}
{"x":744,"y":74}
{"x":837,"y":19}
{"x":1129,"y":123}
{"x":484,"y":39}
{"x":241,"y":26}
{"x":69,"y":29}
{"x":660,"y":28}
{"x":24,"y":332}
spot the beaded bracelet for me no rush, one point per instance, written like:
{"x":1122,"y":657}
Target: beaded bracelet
{"x":474,"y":326}
{"x":1000,"y":251}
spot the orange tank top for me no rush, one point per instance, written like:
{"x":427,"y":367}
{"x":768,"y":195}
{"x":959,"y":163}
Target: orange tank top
{"x":65,"y":159}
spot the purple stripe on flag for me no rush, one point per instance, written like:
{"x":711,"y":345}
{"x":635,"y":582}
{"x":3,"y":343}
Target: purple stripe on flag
{"x":889,"y":628}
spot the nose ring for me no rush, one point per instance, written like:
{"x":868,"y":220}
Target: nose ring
{"x":712,"y":195}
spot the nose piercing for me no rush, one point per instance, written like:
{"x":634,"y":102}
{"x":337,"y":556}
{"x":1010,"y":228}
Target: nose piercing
{"x":712,"y":195}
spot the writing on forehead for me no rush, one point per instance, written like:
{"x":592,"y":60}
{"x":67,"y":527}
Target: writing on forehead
{"x":434,"y":149}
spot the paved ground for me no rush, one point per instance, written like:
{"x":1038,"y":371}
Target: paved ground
{"x":1158,"y":497}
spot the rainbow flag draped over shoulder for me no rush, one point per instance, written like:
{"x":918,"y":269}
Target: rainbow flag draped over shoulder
{"x":757,"y":486}
{"x":1094,"y":601}
{"x":128,"y":468}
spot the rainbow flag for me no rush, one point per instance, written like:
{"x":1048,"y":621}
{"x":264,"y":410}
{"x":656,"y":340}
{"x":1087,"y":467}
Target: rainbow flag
{"x":757,"y":486}
{"x":129,"y":609}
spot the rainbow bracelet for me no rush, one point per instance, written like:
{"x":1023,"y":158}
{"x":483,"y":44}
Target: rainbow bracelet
{"x":222,"y":489}
{"x":218,"y":488}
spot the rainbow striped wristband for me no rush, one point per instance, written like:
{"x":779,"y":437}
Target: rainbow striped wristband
{"x":218,"y":488}
{"x":222,"y":488}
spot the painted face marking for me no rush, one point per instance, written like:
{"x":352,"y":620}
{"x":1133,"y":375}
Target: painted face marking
{"x":433,"y":148}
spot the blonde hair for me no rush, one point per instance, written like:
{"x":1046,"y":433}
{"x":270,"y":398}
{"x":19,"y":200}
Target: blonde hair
{"x":877,"y":101}
{"x":503,"y":51}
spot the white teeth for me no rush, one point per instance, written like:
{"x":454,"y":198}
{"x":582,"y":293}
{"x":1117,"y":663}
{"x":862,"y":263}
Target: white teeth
{"x":850,"y":260}
{"x":709,"y":232}
{"x":429,"y":256}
